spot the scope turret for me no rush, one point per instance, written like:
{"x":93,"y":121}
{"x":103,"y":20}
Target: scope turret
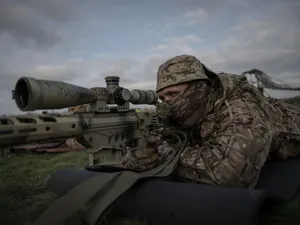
{"x":32,"y":94}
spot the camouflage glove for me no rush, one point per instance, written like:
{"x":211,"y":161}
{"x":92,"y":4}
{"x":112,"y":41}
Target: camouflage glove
{"x":164,"y":150}
{"x":144,"y":158}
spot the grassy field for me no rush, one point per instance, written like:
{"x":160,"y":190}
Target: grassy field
{"x":23,"y":195}
{"x":294,"y":101}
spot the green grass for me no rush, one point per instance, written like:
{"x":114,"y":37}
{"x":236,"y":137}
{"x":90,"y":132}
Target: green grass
{"x":23,"y":195}
{"x":294,"y":101}
{"x":22,"y":184}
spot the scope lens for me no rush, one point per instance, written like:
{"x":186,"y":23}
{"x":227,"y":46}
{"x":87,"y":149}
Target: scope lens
{"x":22,"y":94}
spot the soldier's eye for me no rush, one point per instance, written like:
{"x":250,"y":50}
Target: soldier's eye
{"x":161,"y":98}
{"x":174,"y":94}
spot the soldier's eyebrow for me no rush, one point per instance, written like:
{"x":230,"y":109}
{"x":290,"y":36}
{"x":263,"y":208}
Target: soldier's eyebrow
{"x":173,"y":92}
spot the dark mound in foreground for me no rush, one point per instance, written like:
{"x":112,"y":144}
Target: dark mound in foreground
{"x":171,"y":202}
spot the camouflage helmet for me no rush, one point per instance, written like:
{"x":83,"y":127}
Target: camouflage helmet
{"x":179,"y":69}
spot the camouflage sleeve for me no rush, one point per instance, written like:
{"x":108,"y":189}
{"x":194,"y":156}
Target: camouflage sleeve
{"x":235,"y":153}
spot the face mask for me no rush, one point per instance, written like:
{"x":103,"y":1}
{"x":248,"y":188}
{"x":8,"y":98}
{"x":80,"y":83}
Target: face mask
{"x":189,"y":108}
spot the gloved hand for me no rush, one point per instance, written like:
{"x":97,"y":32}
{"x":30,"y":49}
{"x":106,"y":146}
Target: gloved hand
{"x":164,"y":150}
{"x":145,"y":157}
{"x":160,"y":146}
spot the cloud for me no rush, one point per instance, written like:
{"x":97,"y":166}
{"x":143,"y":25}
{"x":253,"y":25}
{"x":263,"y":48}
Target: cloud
{"x":196,"y":16}
{"x":232,"y":38}
{"x":178,"y":44}
{"x":269,"y":43}
{"x":23,"y":20}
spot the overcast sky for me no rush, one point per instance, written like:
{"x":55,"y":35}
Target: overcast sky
{"x":83,"y":41}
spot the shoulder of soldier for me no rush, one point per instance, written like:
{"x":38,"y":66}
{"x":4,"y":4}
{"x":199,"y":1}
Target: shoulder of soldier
{"x":231,"y":83}
{"x":231,"y":80}
{"x":233,"y":76}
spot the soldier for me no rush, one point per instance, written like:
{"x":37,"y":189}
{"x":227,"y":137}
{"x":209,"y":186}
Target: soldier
{"x":233,"y":129}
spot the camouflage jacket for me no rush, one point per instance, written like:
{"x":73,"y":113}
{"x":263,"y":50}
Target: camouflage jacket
{"x":236,"y":139}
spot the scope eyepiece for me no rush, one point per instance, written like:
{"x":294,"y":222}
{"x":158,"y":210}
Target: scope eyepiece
{"x":147,"y":97}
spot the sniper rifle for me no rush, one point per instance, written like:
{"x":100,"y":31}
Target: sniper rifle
{"x":109,"y":123}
